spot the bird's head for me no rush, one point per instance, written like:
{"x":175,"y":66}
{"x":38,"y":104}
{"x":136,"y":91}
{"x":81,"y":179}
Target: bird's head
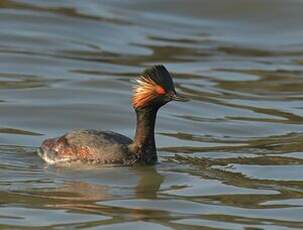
{"x":154,"y":88}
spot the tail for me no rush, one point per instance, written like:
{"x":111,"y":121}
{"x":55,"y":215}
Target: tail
{"x":47,"y":155}
{"x":48,"y":152}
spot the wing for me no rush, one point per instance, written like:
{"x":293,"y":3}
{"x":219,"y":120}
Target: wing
{"x":93,"y":146}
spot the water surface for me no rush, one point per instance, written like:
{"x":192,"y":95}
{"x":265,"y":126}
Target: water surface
{"x":231,"y":158}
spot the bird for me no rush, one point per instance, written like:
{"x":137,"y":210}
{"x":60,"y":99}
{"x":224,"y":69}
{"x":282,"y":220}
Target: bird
{"x":153,"y":89}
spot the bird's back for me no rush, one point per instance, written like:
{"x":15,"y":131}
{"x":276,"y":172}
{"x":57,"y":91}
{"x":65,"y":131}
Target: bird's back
{"x":96,"y":147}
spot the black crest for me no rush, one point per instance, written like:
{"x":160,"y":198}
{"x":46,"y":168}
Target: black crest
{"x":160,"y":76}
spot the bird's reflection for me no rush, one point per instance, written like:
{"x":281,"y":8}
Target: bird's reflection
{"x":149,"y":182}
{"x":141,"y":182}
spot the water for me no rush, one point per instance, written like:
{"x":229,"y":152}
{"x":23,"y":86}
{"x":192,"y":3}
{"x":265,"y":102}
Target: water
{"x":231,"y":158}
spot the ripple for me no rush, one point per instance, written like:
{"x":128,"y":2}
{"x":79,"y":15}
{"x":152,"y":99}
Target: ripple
{"x":186,"y":207}
{"x":19,"y":216}
{"x":268,"y":172}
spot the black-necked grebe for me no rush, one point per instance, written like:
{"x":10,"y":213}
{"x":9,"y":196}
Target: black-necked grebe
{"x":154,"y":89}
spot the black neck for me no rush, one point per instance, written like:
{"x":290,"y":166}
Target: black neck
{"x":144,"y":142}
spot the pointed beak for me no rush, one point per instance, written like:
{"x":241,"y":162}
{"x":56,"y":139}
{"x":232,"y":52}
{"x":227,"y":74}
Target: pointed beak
{"x":178,"y":97}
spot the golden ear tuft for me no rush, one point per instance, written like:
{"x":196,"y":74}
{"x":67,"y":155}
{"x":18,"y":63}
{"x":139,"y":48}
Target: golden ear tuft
{"x":145,"y":91}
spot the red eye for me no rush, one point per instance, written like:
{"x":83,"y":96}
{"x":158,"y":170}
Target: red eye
{"x":160,"y":90}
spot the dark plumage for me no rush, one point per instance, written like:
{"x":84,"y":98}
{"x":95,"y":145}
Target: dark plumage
{"x":160,"y":76}
{"x":155,"y":88}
